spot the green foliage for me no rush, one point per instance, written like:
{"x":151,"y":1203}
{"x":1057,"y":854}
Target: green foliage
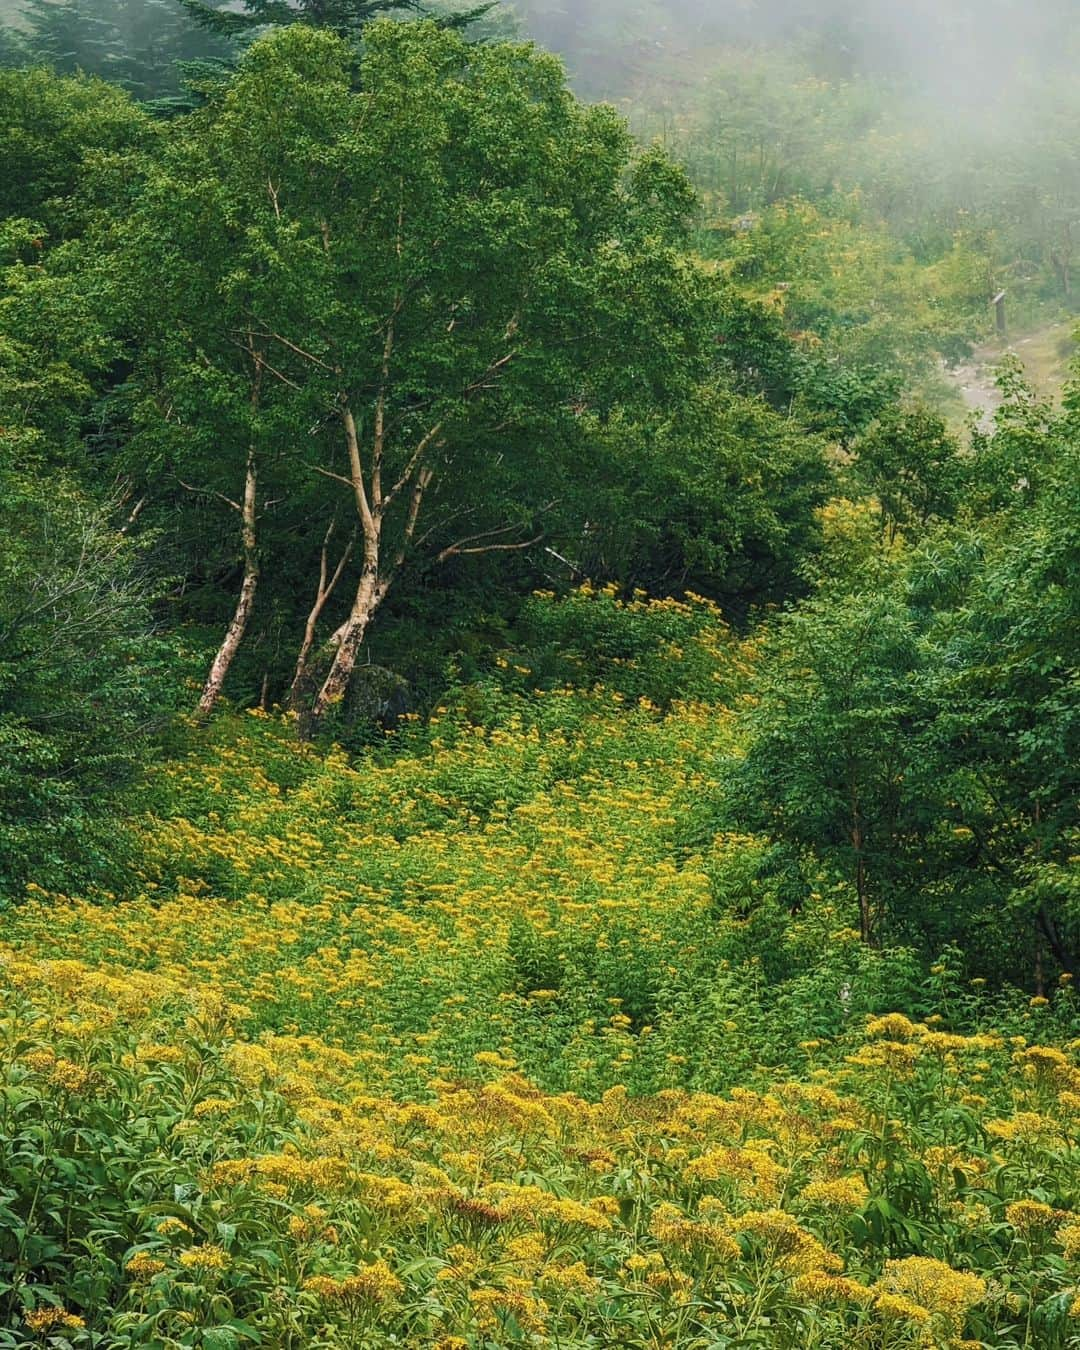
{"x":919,"y":738}
{"x":825,"y":768}
{"x":914,"y":468}
{"x":1006,"y":702}
{"x":83,"y":683}
{"x":718,"y":497}
{"x":652,"y":651}
{"x":53,"y":132}
{"x":868,"y":318}
{"x":391,"y":323}
{"x":450,"y":323}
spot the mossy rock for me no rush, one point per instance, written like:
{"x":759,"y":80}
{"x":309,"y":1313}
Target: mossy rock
{"x":376,"y":695}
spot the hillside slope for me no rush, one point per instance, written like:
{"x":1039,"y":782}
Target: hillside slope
{"x":467,"y":1043}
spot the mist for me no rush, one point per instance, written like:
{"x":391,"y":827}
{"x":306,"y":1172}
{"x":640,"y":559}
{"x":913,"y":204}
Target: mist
{"x":963,"y":52}
{"x":948,"y":121}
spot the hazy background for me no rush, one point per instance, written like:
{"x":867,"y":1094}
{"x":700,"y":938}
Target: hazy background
{"x":958,"y":51}
{"x":966,"y":54}
{"x":954,"y":125}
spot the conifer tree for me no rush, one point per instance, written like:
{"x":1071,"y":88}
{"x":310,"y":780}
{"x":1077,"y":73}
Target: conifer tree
{"x":12,"y":49}
{"x":134,"y":43}
{"x":343,"y":17}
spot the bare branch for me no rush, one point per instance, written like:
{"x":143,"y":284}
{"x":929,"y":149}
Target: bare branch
{"x":341,"y":565}
{"x":308,"y":356}
{"x":209,"y":492}
{"x":492,"y":372}
{"x":455,"y":551}
{"x":327,"y":473}
{"x":441,"y":525}
{"x":465,"y":545}
{"x":356,"y":471}
{"x":264,"y":364}
{"x":322,"y":597}
{"x":565,"y":561}
{"x":380,"y":413}
{"x":414,"y":460}
{"x":486,"y":534}
{"x":134,"y":513}
{"x":416,"y":498}
{"x":277,"y":374}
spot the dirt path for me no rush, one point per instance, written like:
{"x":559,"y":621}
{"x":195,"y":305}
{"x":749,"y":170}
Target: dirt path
{"x":1045,"y":354}
{"x":974,"y":381}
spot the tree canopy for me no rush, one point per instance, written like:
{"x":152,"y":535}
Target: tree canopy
{"x":378,"y":343}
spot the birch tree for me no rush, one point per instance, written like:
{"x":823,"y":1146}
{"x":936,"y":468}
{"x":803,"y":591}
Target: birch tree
{"x":393,"y":287}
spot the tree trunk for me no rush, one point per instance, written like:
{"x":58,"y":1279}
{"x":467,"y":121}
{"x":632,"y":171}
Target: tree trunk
{"x":1045,"y":924}
{"x":378,"y":574}
{"x":245,"y":604}
{"x":866,"y":927}
{"x":369,"y":597}
{"x":327,"y":585}
{"x":1064,"y":273}
{"x":1049,"y":930}
{"x":866,"y":923}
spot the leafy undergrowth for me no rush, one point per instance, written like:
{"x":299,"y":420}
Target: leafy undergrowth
{"x":491,"y":1039}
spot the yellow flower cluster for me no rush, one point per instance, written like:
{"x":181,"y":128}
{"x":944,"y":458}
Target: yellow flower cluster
{"x":401,"y":1032}
{"x":45,"y":1320}
{"x":372,"y":1284}
{"x":206,"y":1259}
{"x":143,"y":1266}
{"x":921,"y":1288}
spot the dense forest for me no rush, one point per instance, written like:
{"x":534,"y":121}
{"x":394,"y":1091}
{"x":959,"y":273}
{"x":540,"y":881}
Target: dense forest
{"x":539,"y":699}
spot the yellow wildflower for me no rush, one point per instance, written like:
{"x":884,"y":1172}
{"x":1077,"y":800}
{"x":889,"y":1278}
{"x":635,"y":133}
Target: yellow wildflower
{"x":1026,"y":1127}
{"x":490,"y":1306}
{"x":1069,"y":1237}
{"x":819,"y":1286}
{"x":671,"y":1227}
{"x":1029,"y":1216}
{"x":571,"y":1279}
{"x":159,"y":1054}
{"x":41,"y":1320}
{"x":892,"y":1027}
{"x":529,"y":1250}
{"x":213,"y":1106}
{"x":372,"y":1284}
{"x":70,"y":1077}
{"x":901,"y":1309}
{"x":931,"y":1285}
{"x":841,"y":1194}
{"x":143,"y":1266}
{"x":205,"y":1259}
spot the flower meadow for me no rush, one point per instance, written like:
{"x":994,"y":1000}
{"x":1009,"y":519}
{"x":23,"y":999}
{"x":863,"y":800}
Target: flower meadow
{"x":489,"y":1036}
